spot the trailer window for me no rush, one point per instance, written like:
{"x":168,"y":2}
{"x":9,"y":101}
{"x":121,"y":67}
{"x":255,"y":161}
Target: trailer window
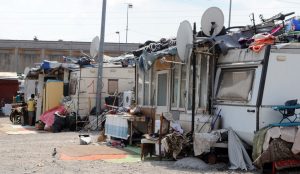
{"x":73,"y":85}
{"x":139,"y":86}
{"x":175,"y":86}
{"x":146,"y":87}
{"x":112,"y":86}
{"x":182,"y":87}
{"x":235,"y":85}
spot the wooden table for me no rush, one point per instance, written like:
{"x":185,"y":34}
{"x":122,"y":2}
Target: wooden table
{"x":132,"y":119}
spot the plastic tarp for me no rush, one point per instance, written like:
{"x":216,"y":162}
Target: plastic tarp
{"x":238,"y":156}
{"x":70,"y":66}
{"x":48,"y":116}
{"x":6,"y":110}
{"x":116,"y":126}
{"x":8,"y":75}
{"x":50,"y":64}
{"x":146,"y":59}
{"x":203,"y":142}
{"x":54,"y":64}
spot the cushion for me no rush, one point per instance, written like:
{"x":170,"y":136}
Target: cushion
{"x":147,"y":141}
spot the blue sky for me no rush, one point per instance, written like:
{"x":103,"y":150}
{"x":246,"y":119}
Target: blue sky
{"x":79,"y":20}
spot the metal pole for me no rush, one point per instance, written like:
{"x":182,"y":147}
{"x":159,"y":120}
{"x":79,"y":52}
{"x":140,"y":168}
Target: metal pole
{"x":127,"y":23}
{"x":194,"y":82}
{"x":119,"y":43}
{"x":118,"y":33}
{"x":194,"y":91}
{"x":100,"y":61}
{"x":129,"y":5}
{"x":229,"y":13}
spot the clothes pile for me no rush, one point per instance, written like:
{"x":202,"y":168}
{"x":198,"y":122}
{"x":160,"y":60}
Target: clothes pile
{"x":60,"y":117}
{"x":174,"y":143}
{"x":275,"y":144}
{"x":177,"y":141}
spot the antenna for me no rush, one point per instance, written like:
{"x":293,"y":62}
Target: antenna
{"x":212,"y":21}
{"x":184,"y":40}
{"x":262,"y":18}
{"x":94,"y":47}
{"x":253,"y":21}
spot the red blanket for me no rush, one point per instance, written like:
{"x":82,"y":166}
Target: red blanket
{"x":48,"y":116}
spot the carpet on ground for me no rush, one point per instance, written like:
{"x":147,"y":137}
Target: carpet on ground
{"x":18,"y":129}
{"x":99,"y":152}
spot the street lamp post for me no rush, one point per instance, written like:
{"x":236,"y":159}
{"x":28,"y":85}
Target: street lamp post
{"x":118,"y":33}
{"x":230,"y":1}
{"x":129,"y":5}
{"x":100,"y":61}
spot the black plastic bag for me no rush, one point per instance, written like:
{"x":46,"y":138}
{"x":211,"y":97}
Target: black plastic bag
{"x":59,"y":123}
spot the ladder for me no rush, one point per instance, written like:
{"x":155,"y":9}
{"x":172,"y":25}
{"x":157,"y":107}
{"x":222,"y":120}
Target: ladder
{"x":78,"y":118}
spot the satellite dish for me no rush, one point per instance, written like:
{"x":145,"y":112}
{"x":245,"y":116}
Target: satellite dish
{"x":94,"y":47}
{"x":212,"y":21}
{"x":184,"y":40}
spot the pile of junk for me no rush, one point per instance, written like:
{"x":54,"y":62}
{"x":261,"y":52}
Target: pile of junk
{"x":64,"y":92}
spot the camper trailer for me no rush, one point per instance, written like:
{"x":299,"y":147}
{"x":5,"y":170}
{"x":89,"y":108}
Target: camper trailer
{"x":83,"y":85}
{"x":238,"y":83}
{"x":80,"y":83}
{"x":248,"y":84}
{"x":242,"y":87}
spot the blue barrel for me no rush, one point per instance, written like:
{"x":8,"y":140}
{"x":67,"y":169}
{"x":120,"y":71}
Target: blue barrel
{"x":293,"y":24}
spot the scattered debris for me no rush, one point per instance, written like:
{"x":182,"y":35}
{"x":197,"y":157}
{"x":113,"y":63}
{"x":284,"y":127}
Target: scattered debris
{"x":198,"y":164}
{"x":85,"y":139}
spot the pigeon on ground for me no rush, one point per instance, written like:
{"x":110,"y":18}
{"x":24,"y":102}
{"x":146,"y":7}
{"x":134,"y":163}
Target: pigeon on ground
{"x":54,"y":152}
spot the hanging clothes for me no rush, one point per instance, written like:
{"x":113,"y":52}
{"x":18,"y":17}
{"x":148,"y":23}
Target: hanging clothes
{"x":260,"y":40}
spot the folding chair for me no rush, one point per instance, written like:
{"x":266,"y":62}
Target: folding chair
{"x":147,"y":145}
{"x":288,"y":110}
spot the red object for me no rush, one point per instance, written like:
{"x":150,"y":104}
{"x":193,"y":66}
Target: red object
{"x":8,"y":89}
{"x":283,"y":164}
{"x":259,"y":43}
{"x":48,"y":116}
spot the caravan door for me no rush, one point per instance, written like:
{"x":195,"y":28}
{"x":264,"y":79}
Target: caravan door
{"x":162,"y":94}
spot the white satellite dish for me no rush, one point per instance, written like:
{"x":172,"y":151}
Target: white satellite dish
{"x":94,"y":47}
{"x":184,"y":40}
{"x":212,"y":21}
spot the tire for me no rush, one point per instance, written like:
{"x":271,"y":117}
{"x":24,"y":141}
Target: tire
{"x":11,"y":116}
{"x":15,"y":117}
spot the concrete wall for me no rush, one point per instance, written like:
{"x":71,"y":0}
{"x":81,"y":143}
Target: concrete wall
{"x":15,"y":55}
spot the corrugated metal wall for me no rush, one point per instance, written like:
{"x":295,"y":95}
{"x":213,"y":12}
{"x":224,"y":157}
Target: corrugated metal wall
{"x":8,"y":89}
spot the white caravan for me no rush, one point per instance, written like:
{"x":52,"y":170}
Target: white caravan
{"x":248,"y":84}
{"x":115,"y":79}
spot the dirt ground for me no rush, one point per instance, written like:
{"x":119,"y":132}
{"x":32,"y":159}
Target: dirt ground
{"x":32,"y":153}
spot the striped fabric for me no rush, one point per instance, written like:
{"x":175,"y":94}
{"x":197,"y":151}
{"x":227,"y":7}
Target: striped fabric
{"x":116,"y":126}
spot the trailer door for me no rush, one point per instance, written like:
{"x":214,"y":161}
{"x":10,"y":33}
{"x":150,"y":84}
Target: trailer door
{"x":162,"y":94}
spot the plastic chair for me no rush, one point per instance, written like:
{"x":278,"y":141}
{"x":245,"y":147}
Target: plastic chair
{"x":288,"y":110}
